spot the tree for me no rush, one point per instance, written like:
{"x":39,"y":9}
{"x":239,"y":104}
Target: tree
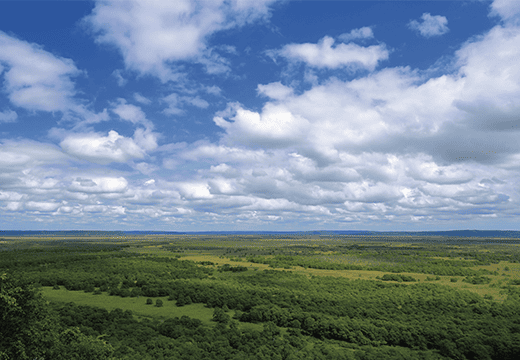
{"x":75,"y":345}
{"x":25,"y":322}
{"x":30,"y":331}
{"x":159,"y":303}
{"x":220,"y":316}
{"x":149,"y":301}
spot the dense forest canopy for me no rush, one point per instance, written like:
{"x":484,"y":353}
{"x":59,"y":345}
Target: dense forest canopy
{"x":169,"y":296}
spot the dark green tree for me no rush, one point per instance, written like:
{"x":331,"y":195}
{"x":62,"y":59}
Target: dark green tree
{"x":29,"y":330}
{"x":220,"y":316}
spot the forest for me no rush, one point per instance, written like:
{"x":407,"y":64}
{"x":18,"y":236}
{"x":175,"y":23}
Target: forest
{"x":160,"y":296}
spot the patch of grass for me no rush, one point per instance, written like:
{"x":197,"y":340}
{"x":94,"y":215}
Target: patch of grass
{"x":136,"y":305}
{"x":139,"y":307}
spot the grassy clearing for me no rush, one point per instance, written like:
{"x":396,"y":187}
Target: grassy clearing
{"x":138,"y":306}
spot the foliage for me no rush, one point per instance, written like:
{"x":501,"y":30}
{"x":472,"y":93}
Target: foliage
{"x":29,"y":329}
{"x":398,"y":278}
{"x":266,"y":314}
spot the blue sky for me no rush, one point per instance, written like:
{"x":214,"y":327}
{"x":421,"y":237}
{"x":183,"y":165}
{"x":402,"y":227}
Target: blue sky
{"x":259,"y":115}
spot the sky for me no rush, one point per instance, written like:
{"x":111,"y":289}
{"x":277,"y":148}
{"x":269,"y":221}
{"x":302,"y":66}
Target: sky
{"x":259,"y":115}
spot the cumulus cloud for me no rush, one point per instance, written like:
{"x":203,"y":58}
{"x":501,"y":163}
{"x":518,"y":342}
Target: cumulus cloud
{"x":361,"y":33}
{"x":275,"y":127}
{"x":99,"y":185}
{"x":324,"y":55}
{"x":36,"y":79}
{"x":275,"y":90}
{"x":111,"y":148}
{"x":430,"y":26}
{"x":151,"y":35}
{"x":194,"y":190}
{"x":508,"y":10}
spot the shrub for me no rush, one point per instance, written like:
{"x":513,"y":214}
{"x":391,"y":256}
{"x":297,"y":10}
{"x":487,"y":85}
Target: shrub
{"x":159,"y":303}
{"x":149,"y":301}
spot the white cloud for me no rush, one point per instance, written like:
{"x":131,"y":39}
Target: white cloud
{"x":213,"y":90}
{"x":121,"y":81}
{"x":152,"y":34}
{"x":323,"y":55}
{"x":106,"y":149}
{"x":509,"y":10}
{"x":194,"y":190}
{"x":361,"y":33}
{"x":19,"y":155}
{"x":146,"y":139}
{"x":141,"y":99}
{"x":433,"y":173}
{"x":275,"y":127}
{"x":430,"y":26}
{"x":275,"y":90}
{"x":104,"y":209}
{"x":222,"y":153}
{"x":41,"y":206}
{"x":10,"y":196}
{"x":131,"y":113}
{"x":35,"y":79}
{"x":176,"y":103}
{"x":99,"y":185}
{"x":8,"y":116}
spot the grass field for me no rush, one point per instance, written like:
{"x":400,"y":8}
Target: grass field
{"x":138,"y":306}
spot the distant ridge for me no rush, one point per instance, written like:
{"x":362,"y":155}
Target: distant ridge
{"x":450,"y":233}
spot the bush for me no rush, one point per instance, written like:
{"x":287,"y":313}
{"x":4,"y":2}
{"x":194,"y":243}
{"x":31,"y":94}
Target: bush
{"x":220,"y":316}
{"x":149,"y":301}
{"x":397,"y":277}
{"x":159,"y":303}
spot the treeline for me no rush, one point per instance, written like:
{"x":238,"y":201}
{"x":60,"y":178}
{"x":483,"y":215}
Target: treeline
{"x":119,"y":273}
{"x":186,"y":338}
